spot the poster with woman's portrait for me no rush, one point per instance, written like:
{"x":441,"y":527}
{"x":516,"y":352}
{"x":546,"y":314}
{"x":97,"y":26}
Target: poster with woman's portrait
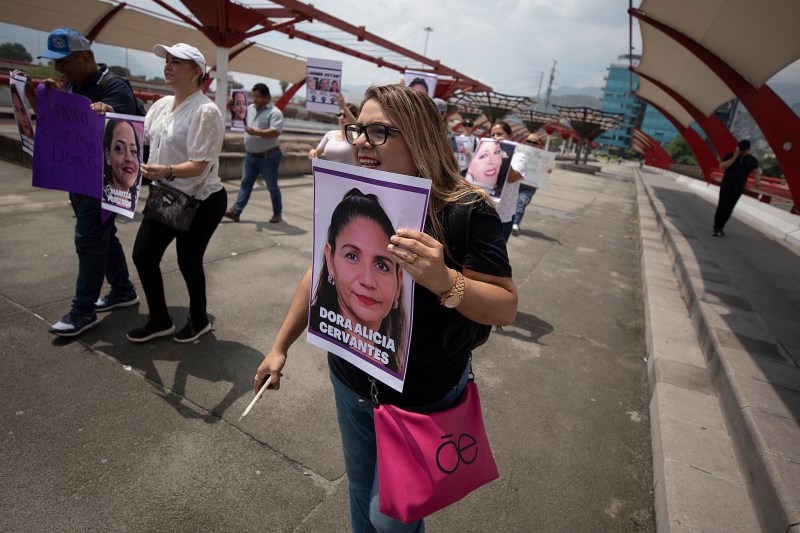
{"x":122,"y":161}
{"x":490,"y":165}
{"x":323,"y":85}
{"x":361,"y":300}
{"x":421,"y":81}
{"x":239,"y":109}
{"x":22,"y":114}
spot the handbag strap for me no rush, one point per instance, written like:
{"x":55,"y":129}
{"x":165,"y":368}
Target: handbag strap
{"x":373,"y":383}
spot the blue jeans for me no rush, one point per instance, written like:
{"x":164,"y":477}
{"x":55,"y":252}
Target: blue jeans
{"x":524,"y":198}
{"x":99,"y":252}
{"x":357,"y":426}
{"x":267,"y":167}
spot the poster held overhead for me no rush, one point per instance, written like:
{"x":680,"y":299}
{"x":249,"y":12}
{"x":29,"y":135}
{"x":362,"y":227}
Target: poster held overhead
{"x":323,"y":84}
{"x":361,"y":301}
{"x":421,"y":81}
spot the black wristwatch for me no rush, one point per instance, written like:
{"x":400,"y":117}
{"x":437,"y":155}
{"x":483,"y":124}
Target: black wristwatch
{"x":171,"y":176}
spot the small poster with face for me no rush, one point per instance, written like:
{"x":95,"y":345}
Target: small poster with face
{"x":539,"y":164}
{"x":22,"y":113}
{"x":361,"y":300}
{"x":490,"y":165}
{"x":421,"y":81}
{"x":122,"y":161}
{"x":239,"y":109}
{"x":323,"y":85}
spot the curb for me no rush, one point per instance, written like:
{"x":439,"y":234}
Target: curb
{"x":693,"y":453}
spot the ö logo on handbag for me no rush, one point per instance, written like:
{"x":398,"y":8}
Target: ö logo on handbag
{"x":466,"y":450}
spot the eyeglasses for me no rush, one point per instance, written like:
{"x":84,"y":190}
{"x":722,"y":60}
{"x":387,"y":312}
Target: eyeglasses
{"x":340,"y":114}
{"x":532,"y":143}
{"x":376,"y":134}
{"x":468,"y":124}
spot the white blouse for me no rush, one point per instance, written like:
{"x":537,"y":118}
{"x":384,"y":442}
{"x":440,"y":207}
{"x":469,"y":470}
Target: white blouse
{"x":336,"y":150}
{"x":507,"y":205}
{"x":192,"y":132}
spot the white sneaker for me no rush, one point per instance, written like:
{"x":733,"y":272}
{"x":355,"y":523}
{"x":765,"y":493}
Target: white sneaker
{"x":515,"y":229}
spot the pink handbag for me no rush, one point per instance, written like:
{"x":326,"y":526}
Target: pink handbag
{"x":428,"y":461}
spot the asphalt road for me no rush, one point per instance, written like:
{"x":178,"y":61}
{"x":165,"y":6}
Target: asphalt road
{"x":102,"y":435}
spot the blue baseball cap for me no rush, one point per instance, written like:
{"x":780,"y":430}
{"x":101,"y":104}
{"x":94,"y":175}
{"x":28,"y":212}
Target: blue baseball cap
{"x":63,"y":41}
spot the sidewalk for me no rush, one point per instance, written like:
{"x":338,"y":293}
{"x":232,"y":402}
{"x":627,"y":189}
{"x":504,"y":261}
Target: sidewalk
{"x":724,"y":348}
{"x":102,"y":435}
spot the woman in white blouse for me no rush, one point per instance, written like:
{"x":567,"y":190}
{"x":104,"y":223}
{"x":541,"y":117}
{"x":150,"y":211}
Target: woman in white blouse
{"x":185,"y":133}
{"x":333,"y":146}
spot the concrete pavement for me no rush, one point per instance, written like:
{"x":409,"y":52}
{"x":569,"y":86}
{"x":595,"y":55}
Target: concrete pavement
{"x":100,"y":434}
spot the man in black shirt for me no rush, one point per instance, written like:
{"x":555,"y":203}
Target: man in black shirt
{"x":99,"y":251}
{"x":737,"y":167}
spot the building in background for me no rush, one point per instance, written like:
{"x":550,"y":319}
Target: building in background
{"x":618,"y":98}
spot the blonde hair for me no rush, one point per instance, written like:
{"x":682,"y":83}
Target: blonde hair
{"x":424,"y":131}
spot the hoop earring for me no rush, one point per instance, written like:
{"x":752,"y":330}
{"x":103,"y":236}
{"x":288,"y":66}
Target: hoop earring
{"x":331,"y":280}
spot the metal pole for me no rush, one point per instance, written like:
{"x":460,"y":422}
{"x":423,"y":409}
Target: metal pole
{"x":427,"y":30}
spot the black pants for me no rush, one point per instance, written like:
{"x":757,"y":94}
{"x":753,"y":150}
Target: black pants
{"x":727,"y":201}
{"x":151,"y":243}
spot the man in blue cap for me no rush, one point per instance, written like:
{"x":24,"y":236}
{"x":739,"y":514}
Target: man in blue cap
{"x":100,"y":253}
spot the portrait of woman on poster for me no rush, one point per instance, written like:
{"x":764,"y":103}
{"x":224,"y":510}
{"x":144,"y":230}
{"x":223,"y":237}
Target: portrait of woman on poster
{"x":239,"y":110}
{"x":121,"y":163}
{"x":312,"y":83}
{"x":359,"y":278}
{"x":334,"y":86}
{"x":23,"y":121}
{"x":324,"y":83}
{"x":489,"y":166}
{"x":419,"y":84}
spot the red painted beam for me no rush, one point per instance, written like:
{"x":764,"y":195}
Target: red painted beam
{"x":723,"y":140}
{"x":777,"y":121}
{"x":706,"y":159}
{"x":286,"y":97}
{"x":103,"y":22}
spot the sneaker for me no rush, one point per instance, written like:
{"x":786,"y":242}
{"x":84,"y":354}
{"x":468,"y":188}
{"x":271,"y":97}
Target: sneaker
{"x":112,"y":301}
{"x":515,"y":229}
{"x":231,"y":214}
{"x":150,"y":331}
{"x":73,"y":324}
{"x":192,"y":331}
{"x":276,"y":217}
{"x":718,"y":233}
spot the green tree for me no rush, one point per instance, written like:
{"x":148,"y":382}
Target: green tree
{"x":770,"y":167}
{"x":15,"y":52}
{"x":678,"y":149}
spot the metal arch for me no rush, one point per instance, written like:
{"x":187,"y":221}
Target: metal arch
{"x":723,"y":140}
{"x":779,"y":124}
{"x":705,"y":158}
{"x":652,"y":149}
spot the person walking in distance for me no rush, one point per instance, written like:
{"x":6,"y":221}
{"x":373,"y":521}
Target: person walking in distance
{"x":737,"y":167}
{"x":263,"y":155}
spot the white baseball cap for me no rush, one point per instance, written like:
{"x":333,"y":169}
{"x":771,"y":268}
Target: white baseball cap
{"x":182,"y":51}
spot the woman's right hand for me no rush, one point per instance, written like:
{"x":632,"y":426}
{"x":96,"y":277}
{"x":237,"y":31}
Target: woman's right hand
{"x":313,"y":154}
{"x":271,"y":366}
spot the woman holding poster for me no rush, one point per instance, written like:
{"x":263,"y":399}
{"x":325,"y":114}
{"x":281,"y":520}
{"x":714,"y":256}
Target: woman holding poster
{"x":458,"y":290}
{"x":185,"y":132}
{"x":333,"y":146}
{"x":123,"y":153}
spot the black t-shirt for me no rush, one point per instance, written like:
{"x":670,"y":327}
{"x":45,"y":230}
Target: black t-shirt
{"x":441,"y":338}
{"x":115,"y":93}
{"x":735,"y":178}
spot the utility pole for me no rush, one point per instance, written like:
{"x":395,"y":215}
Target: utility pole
{"x":427,"y":30}
{"x":539,"y":91}
{"x":550,"y":86}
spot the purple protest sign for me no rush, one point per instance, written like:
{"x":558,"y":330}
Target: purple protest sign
{"x":69,"y":144}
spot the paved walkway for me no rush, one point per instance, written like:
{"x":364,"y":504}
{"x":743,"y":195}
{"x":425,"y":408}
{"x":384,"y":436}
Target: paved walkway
{"x":724,"y":347}
{"x":102,"y":435}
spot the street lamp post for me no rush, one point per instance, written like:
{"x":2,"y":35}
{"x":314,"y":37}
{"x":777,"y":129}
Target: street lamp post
{"x":427,"y":30}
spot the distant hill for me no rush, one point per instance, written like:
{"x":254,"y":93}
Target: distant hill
{"x":566,"y":90}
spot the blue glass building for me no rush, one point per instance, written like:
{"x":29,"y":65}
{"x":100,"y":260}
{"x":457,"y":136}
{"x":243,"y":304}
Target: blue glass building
{"x":618,"y":98}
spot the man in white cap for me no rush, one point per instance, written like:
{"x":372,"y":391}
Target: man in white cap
{"x":100,"y":253}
